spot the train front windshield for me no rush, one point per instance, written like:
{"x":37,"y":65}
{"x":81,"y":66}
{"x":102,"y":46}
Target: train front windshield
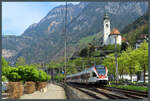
{"x":101,"y":70}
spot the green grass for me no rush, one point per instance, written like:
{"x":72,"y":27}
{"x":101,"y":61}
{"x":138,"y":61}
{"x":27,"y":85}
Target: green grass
{"x":87,"y":39}
{"x":130,"y":87}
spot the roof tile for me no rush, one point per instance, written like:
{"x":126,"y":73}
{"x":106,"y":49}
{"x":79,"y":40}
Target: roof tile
{"x":115,"y":32}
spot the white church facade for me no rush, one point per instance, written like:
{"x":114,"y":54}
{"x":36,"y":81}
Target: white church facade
{"x":108,"y":35}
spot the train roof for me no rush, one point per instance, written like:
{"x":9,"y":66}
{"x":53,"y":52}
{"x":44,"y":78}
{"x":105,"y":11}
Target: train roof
{"x":98,"y":66}
{"x":79,"y":73}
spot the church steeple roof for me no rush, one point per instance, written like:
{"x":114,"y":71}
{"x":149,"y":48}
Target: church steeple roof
{"x":106,"y":16}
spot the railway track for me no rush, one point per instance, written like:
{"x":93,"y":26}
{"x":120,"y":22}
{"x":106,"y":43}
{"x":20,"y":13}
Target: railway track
{"x":109,"y":93}
{"x":90,"y":93}
{"x":130,"y":93}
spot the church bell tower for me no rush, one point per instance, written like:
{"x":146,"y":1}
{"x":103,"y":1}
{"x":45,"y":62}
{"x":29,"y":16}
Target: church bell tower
{"x":106,"y":30}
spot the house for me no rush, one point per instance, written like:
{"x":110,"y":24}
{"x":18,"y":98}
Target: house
{"x":140,"y":39}
{"x":124,"y":39}
{"x":128,"y":77}
{"x":112,"y":37}
{"x":142,"y":77}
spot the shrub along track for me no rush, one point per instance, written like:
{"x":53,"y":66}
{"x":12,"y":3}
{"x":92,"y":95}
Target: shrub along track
{"x":109,"y":93}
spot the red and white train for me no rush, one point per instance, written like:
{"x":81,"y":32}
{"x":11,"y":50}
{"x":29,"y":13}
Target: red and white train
{"x":93,"y":75}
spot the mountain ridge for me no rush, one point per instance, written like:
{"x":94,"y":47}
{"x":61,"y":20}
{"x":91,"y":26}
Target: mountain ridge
{"x":44,"y":40}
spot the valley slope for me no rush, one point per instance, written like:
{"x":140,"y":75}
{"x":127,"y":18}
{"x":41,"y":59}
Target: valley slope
{"x":44,"y":40}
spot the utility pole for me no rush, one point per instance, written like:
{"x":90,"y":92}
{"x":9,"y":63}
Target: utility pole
{"x":65,"y":41}
{"x":53,"y":74}
{"x":47,"y":75}
{"x":59,"y":74}
{"x":83,"y":64}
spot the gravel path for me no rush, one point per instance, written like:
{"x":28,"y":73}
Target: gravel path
{"x":52,"y":92}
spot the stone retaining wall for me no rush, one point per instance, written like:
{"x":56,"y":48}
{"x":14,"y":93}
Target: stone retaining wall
{"x":70,"y":92}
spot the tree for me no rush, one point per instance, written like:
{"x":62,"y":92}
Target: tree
{"x":143,"y":57}
{"x":83,"y":52}
{"x":123,"y":64}
{"x":5,"y":69}
{"x":112,"y":47}
{"x":4,"y":62}
{"x":20,"y":61}
{"x":124,"y":46}
{"x":5,"y":66}
{"x":59,"y":77}
{"x":133,"y":63}
{"x":109,"y":62}
{"x":91,"y":49}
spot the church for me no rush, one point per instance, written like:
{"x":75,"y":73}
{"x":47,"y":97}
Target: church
{"x":108,"y":35}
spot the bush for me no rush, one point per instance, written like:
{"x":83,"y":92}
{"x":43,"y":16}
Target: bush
{"x":112,"y":47}
{"x":4,"y":78}
{"x":14,"y":76}
{"x":59,"y":77}
{"x":24,"y":73}
{"x":130,"y":87}
{"x":43,"y":76}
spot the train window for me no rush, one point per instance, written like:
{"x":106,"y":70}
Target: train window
{"x":82,"y":76}
{"x":101,"y":70}
{"x":93,"y":74}
{"x":99,"y":66}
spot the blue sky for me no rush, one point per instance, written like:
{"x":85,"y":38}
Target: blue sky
{"x":17,"y":16}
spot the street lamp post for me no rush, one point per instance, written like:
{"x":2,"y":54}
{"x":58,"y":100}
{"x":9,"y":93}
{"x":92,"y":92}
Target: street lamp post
{"x":47,"y":74}
{"x":53,"y":74}
{"x":115,"y":33}
{"x":59,"y":74}
{"x":116,"y":58}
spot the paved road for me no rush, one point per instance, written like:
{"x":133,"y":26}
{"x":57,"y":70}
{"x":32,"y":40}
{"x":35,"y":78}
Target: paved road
{"x":52,"y":92}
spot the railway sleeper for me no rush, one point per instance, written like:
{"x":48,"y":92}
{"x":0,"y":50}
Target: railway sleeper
{"x":134,"y":96}
{"x":120,"y":96}
{"x":110,"y":95}
{"x":88,"y":93}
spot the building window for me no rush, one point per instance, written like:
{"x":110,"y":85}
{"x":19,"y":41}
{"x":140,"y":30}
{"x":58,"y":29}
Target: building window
{"x":107,"y":25}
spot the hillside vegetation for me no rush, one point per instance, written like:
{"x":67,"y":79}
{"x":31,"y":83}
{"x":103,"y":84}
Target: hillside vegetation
{"x":44,"y":41}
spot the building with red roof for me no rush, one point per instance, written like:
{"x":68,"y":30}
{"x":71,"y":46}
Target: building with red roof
{"x":124,"y":39}
{"x":110,"y":36}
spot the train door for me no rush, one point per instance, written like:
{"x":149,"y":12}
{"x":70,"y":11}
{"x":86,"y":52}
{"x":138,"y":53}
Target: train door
{"x":93,"y":77}
{"x":87,"y":77}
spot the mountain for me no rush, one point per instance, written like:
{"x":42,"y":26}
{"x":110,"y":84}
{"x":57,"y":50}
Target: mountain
{"x":136,"y":30}
{"x":44,"y":41}
{"x":137,"y":23}
{"x":131,"y":32}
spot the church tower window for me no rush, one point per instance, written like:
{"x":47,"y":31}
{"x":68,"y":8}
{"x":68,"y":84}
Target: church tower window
{"x":107,"y":25}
